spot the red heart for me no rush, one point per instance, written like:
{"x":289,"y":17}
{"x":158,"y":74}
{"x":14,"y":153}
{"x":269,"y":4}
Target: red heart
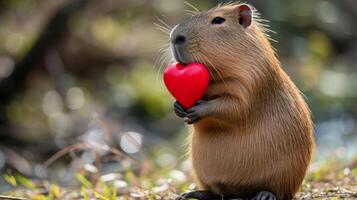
{"x":187,"y":83}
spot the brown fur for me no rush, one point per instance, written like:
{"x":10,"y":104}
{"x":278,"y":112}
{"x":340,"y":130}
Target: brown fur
{"x":257,"y":133}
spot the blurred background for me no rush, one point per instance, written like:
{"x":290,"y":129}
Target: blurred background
{"x":83,"y":78}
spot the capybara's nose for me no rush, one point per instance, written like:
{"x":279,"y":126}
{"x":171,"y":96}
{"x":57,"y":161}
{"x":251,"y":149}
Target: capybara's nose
{"x":179,"y":40}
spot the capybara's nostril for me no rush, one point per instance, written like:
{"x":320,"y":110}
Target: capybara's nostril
{"x":180,"y":39}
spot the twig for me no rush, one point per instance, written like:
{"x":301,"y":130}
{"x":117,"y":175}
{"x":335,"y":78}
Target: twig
{"x":4,"y":197}
{"x":84,"y":146}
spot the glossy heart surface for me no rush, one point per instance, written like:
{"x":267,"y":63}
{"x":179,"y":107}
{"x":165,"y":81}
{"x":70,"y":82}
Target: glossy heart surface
{"x":187,"y":83}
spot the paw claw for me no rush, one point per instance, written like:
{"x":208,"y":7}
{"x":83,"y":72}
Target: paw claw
{"x":192,"y":119}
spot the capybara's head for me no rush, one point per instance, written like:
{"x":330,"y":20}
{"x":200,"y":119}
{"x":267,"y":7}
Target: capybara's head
{"x":227,"y":39}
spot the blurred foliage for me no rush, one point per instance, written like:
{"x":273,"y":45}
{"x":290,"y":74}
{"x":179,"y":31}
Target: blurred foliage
{"x":100,"y":80}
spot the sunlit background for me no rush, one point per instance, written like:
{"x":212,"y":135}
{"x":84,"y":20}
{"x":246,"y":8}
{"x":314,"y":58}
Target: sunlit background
{"x":83,"y":77}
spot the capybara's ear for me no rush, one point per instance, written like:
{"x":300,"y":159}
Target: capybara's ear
{"x":244,"y":14}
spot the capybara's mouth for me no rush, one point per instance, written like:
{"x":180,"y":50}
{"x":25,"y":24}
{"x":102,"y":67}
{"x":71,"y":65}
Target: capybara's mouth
{"x":180,"y":55}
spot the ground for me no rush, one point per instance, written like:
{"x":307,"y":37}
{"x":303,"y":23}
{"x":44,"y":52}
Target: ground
{"x":326,"y":183}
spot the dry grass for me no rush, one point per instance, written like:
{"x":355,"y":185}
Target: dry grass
{"x":160,"y":183}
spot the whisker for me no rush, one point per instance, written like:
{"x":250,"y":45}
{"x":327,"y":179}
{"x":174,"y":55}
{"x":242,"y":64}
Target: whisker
{"x":164,"y":23}
{"x":164,"y":46}
{"x":161,"y":27}
{"x":190,"y":12}
{"x":192,"y":6}
{"x":165,"y":51}
{"x":163,"y":31}
{"x":164,"y":60}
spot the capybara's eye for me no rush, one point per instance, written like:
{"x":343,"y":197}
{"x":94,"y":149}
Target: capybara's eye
{"x":218,"y":20}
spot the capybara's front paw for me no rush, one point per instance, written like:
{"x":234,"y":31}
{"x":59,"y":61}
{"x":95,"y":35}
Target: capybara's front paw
{"x":195,"y":113}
